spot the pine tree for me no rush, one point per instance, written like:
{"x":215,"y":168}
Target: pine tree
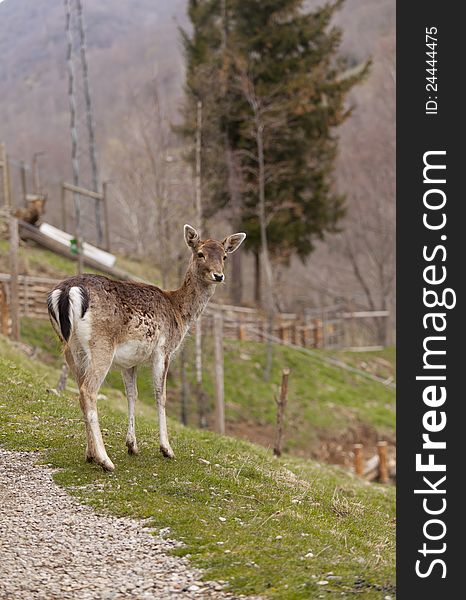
{"x":272,"y":60}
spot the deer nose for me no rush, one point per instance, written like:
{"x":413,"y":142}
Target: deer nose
{"x":219,"y":276}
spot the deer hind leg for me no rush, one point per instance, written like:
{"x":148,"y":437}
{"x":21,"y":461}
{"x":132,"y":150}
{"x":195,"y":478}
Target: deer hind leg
{"x":72,"y":365}
{"x":90,"y":380}
{"x":160,"y":370}
{"x":129,"y":378}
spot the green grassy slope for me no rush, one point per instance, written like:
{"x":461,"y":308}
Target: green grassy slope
{"x":40,"y":262}
{"x":279,"y":528}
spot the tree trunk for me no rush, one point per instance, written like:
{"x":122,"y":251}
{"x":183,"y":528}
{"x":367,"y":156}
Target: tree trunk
{"x":264,"y":244}
{"x":257,"y":278}
{"x":236,"y":287}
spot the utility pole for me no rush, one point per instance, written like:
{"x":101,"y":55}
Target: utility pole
{"x":73,"y":131}
{"x":89,"y":120}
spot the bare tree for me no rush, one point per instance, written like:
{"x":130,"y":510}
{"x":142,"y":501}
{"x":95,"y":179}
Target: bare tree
{"x":265,"y":118}
{"x":152,"y":184}
{"x":369,"y":238}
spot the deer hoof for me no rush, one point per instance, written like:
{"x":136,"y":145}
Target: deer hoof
{"x":132,"y":448}
{"x":89,"y":457}
{"x":167,"y":451}
{"x":107,"y":465}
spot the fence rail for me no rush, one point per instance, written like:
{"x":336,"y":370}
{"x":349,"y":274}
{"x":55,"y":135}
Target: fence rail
{"x":241,"y":323}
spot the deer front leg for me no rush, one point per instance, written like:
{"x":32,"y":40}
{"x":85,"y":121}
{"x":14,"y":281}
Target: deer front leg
{"x":129,"y":378}
{"x":160,"y":371}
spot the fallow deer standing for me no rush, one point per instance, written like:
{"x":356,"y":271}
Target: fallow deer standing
{"x":103,"y":323}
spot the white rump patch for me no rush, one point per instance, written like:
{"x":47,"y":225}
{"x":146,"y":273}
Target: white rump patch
{"x":55,"y":297}
{"x":80,"y":328}
{"x":76,"y":304}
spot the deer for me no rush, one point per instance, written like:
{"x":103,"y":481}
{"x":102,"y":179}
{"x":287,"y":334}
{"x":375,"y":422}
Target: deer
{"x":102,"y":324}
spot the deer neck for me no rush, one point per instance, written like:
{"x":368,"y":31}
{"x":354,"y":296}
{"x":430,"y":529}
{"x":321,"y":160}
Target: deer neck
{"x":192,"y":297}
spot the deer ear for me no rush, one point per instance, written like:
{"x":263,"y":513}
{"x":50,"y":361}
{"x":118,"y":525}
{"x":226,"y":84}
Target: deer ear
{"x":191,"y":237}
{"x":233,"y":242}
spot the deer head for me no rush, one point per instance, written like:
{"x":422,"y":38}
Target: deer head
{"x":208,"y":256}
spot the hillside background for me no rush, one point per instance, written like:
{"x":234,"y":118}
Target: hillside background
{"x":134,"y":46}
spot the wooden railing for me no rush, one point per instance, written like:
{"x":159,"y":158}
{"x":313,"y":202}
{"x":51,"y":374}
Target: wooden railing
{"x":309,"y":330}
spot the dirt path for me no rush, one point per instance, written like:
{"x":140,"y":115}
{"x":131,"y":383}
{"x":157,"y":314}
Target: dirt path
{"x":51,"y":547}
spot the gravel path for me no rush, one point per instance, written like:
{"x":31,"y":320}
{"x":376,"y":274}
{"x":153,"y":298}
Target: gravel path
{"x":51,"y":547}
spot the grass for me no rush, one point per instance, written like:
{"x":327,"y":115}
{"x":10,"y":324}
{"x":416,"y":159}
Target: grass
{"x":278,"y":528}
{"x":40,"y":262}
{"x":324,"y":400}
{"x":37,"y":261}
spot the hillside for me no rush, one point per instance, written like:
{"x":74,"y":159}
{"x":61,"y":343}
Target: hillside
{"x":39,"y":262}
{"x":330,"y":408}
{"x":131,"y":46}
{"x":239,"y":512}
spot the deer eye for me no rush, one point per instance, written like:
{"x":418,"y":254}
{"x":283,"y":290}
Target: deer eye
{"x":200,"y":255}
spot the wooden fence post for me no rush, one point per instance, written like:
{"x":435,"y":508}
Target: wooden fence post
{"x":262,"y":330}
{"x":241,"y":335}
{"x":358,"y":460}
{"x":281,"y":404}
{"x":4,"y":317}
{"x":63,"y":208}
{"x":304,"y":335}
{"x":383,"y":469}
{"x":36,"y":173}
{"x":184,"y":387}
{"x":6,"y":176}
{"x":219,"y":384}
{"x":282,"y":330}
{"x":24,"y":189}
{"x":106,"y":224}
{"x":61,"y":385}
{"x":14,"y":286}
{"x":317,"y":333}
